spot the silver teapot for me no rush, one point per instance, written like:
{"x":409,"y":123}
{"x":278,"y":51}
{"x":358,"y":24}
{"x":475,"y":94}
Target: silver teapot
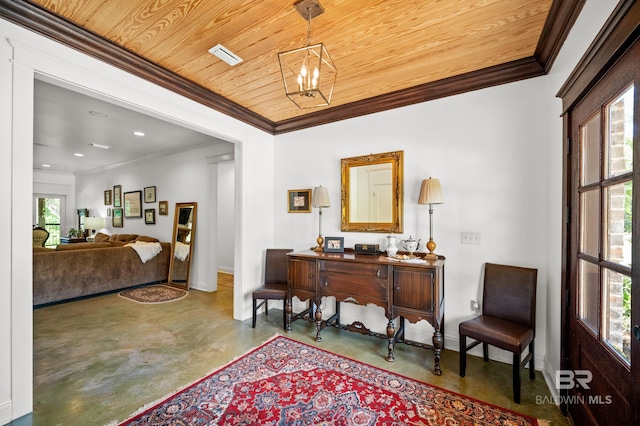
{"x":410,"y":245}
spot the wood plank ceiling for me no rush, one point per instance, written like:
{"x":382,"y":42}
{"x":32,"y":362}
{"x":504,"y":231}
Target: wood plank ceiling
{"x":389,"y":53}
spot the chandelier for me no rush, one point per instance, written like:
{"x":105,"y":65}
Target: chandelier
{"x":308,"y":73}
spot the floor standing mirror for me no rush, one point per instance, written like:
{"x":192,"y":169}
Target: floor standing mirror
{"x":184,"y":232}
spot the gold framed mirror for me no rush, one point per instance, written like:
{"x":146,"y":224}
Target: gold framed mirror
{"x":372,"y":187}
{"x":184,"y":232}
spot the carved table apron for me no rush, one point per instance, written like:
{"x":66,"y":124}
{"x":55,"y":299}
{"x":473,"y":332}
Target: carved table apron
{"x":410,"y":291}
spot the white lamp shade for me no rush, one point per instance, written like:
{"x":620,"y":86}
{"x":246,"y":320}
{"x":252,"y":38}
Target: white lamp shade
{"x":93,"y":222}
{"x":320,"y":197}
{"x":431,"y":192}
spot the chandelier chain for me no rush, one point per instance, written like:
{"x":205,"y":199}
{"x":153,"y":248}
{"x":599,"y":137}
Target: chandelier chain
{"x":309,"y":27}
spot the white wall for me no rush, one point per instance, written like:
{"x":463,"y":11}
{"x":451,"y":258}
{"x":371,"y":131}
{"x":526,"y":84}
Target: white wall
{"x":226,"y":216}
{"x":6,"y":314}
{"x":486,"y":147}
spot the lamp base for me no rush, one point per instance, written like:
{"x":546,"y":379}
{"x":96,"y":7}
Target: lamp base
{"x":320,"y":246}
{"x":431,"y":246}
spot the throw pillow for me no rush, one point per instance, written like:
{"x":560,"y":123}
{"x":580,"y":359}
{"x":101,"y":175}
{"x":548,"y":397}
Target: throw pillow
{"x":100,"y":237}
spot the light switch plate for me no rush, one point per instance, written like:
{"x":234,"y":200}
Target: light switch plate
{"x":471,"y":238}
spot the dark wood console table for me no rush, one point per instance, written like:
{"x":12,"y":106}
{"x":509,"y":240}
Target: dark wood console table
{"x":410,"y":291}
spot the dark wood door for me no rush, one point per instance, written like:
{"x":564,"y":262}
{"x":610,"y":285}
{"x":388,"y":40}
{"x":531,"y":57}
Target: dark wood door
{"x":602,"y":357}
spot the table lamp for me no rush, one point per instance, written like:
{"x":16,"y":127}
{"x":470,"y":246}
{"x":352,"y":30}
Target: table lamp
{"x":431,"y":193}
{"x":320,"y":199}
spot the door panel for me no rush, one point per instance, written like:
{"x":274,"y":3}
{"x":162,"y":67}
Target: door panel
{"x":601,"y":353}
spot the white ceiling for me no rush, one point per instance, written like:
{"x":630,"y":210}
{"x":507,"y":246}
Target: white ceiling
{"x":64,"y":126}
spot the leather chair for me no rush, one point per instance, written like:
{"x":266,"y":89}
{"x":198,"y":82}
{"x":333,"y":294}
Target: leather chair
{"x":508,"y":319}
{"x":40,"y":236}
{"x":276,"y":271}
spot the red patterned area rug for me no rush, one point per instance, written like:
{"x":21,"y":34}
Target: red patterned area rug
{"x":153,"y":294}
{"x":284,"y":382}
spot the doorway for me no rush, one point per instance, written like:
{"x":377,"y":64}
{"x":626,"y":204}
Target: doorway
{"x":49,"y":214}
{"x":602,"y":344}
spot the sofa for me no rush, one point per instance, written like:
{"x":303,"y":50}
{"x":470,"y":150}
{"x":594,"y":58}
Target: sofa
{"x":72,"y":271}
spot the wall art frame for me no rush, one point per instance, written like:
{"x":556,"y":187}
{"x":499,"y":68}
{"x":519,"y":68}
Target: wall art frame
{"x":163,"y":208}
{"x":117,"y":196}
{"x":133,"y":204}
{"x":150,"y":216}
{"x":150,"y":194}
{"x":116,"y":218}
{"x":299,"y":201}
{"x":107,"y":197}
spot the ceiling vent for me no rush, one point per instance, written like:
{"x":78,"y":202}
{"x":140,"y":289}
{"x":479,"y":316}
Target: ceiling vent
{"x":225,"y":54}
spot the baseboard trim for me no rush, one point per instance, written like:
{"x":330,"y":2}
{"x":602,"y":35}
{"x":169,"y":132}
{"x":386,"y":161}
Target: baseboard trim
{"x":549,"y":374}
{"x":5,"y":412}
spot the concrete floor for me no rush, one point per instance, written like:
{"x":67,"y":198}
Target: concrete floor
{"x":100,"y":359}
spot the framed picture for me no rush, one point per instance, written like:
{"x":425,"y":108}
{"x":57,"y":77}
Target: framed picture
{"x":150,"y":194}
{"x":116,"y":219}
{"x":133,"y":204}
{"x":117,"y":196}
{"x":107,"y":197}
{"x":108,"y":212}
{"x":299,"y":201}
{"x":163,"y":208}
{"x":150,"y":216}
{"x":334,"y":244}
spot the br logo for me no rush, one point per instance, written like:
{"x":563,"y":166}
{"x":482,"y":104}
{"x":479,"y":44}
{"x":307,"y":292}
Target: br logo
{"x":569,"y":379}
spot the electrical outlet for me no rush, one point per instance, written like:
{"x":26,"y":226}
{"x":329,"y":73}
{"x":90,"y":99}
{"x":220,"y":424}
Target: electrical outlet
{"x":471,"y":238}
{"x":475,"y":306}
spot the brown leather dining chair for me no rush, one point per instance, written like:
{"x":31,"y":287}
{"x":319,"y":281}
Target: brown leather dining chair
{"x":508,"y":319}
{"x":276,"y":270}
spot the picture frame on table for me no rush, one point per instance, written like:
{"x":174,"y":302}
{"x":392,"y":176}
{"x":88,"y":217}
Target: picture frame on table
{"x":299,"y":201}
{"x":107,"y":197}
{"x":116,"y":218}
{"x":163,"y":208}
{"x":334,"y":244}
{"x":150,"y":194}
{"x":117,"y":196}
{"x":150,"y":216}
{"x":133,"y":204}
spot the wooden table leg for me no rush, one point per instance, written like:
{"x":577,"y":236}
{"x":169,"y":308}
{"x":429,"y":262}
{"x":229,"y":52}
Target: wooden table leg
{"x":391,"y":334}
{"x":289,"y":310}
{"x":437,"y":349}
{"x":318,"y":322}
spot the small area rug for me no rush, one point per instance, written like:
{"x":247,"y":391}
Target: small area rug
{"x":153,"y":294}
{"x":284,"y":382}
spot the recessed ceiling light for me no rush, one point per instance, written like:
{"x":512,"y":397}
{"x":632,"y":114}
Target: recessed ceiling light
{"x":77,"y":154}
{"x":46,"y":165}
{"x":98,"y":114}
{"x":97,"y":145}
{"x":138,"y":133}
